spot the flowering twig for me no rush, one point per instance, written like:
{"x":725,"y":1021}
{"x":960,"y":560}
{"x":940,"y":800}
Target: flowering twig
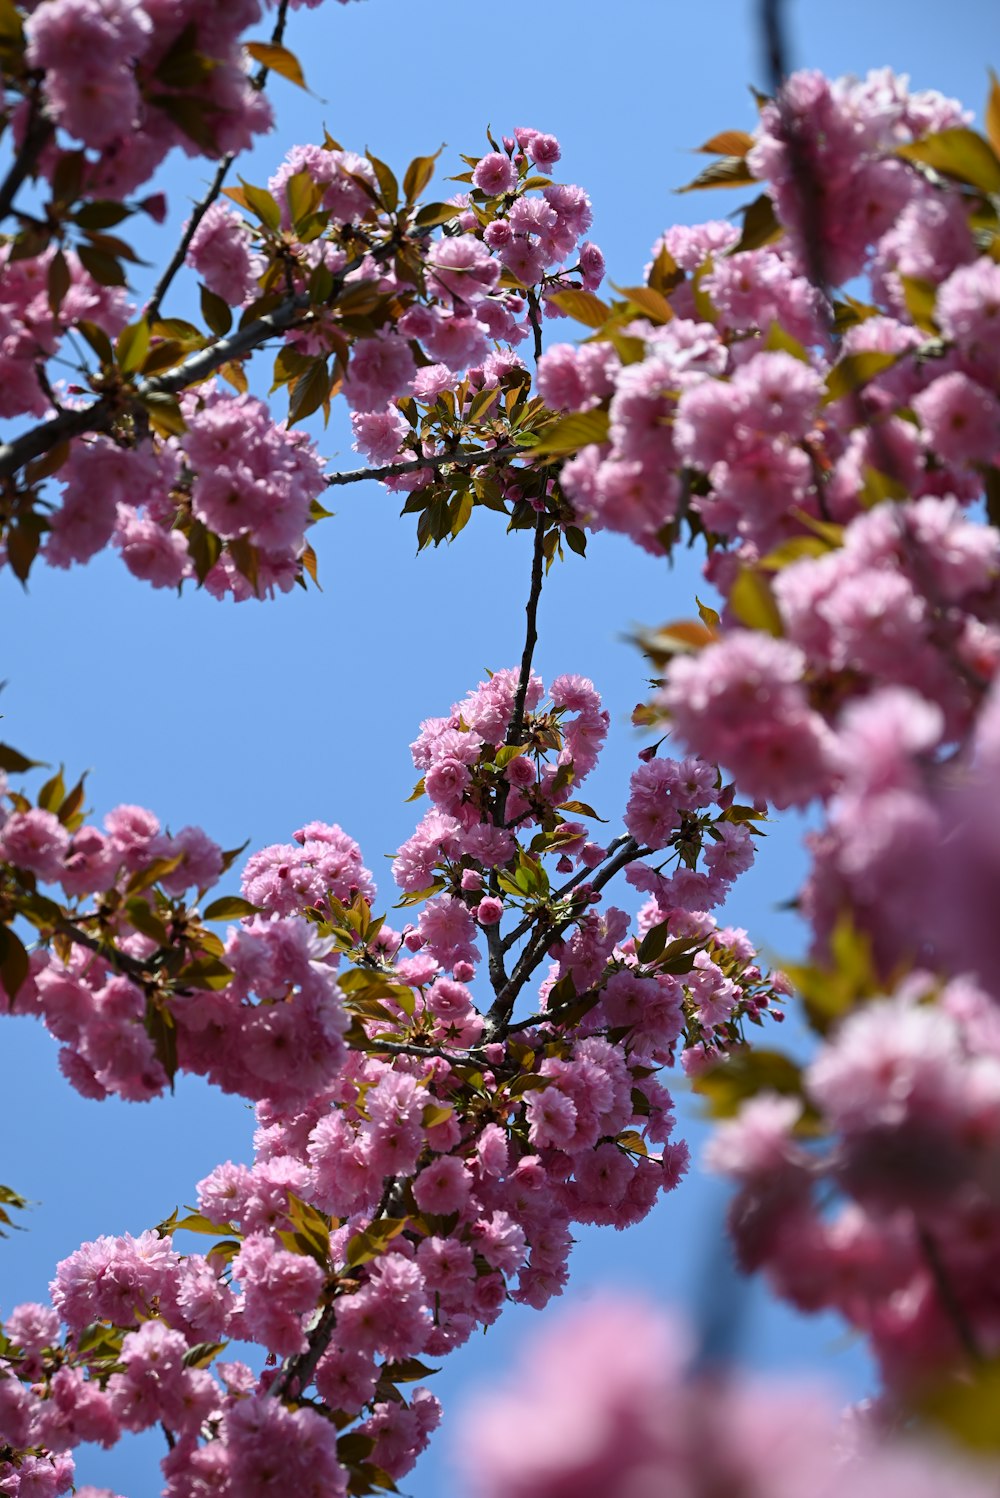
{"x":202,"y":207}
{"x":414,"y":465}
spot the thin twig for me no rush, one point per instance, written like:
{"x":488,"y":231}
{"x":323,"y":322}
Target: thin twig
{"x":531,"y":633}
{"x":201,"y":208}
{"x":443,"y":460}
{"x":946,"y":1295}
{"x":560,"y":894}
{"x":499,"y":1013}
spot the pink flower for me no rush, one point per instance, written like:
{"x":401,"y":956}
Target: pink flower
{"x":489,"y":911}
{"x":495,"y":175}
{"x":381,"y":368}
{"x":35,"y":840}
{"x":442,"y":1187}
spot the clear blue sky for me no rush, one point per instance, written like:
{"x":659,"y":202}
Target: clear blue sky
{"x":253,"y":719}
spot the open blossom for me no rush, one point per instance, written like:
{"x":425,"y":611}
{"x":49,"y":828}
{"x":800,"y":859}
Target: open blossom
{"x":741,"y":702}
{"x":221,"y":253}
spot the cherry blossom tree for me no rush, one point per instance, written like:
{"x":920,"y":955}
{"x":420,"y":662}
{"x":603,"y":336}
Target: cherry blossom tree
{"x":811,"y":395}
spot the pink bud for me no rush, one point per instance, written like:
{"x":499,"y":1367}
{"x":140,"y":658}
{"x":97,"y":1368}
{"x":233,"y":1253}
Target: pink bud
{"x":489,"y":911}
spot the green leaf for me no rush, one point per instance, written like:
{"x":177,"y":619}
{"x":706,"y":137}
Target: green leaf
{"x":779,"y":340}
{"x":387,"y":183}
{"x":958,"y":153}
{"x":195,"y":1222}
{"x":58,"y":281}
{"x":145,"y":920}
{"x":664,"y":273}
{"x":278,"y":59}
{"x":303,"y":196}
{"x":744,"y":1074}
{"x":104,"y":268}
{"x":567,"y":434}
{"x":263,"y":205}
{"x":709,"y":617}
{"x":309,"y":392}
{"x":436,"y":213}
{"x":216,"y":312}
{"x":728,"y":171}
{"x":854,"y":371}
{"x":52,"y":792}
{"x":143,"y":878}
{"x":584,"y":306}
{"x":14,"y":962}
{"x":229,"y":908}
{"x":14,"y":762}
{"x":407,"y":1371}
{"x":203,"y":1353}
{"x":417,"y":175}
{"x":920,"y":298}
{"x":752,"y":601}
{"x":370,"y":1243}
{"x":727,"y":143}
{"x":652,"y":944}
{"x":164,"y":414}
{"x":992,"y":113}
{"x":205,"y":972}
{"x":132,"y":345}
{"x":649,"y":301}
{"x":966,"y":1408}
{"x":162,"y":1032}
{"x":760,"y":225}
{"x":581,"y":808}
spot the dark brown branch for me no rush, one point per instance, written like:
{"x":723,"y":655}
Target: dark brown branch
{"x":442,"y":460}
{"x":559,"y":894}
{"x":298,"y":1371}
{"x":531,"y":633}
{"x":198,"y":366}
{"x":36,"y":138}
{"x":950,"y":1303}
{"x":202,"y":207}
{"x":499,"y":1013}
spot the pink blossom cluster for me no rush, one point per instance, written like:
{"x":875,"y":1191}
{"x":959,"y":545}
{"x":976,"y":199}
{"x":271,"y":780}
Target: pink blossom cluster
{"x":748,"y":439}
{"x":31,"y":332}
{"x":512,"y":227}
{"x":132,"y":81}
{"x":601,"y":1405}
{"x":907,"y":1090}
{"x":844,"y":135}
{"x":416,"y":1166}
{"x":286,"y":878}
{"x":241,"y":476}
{"x":466,"y":764}
{"x":222,"y":253}
{"x":260,"y":1014}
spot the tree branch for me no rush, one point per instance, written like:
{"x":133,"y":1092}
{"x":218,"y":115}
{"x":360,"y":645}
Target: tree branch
{"x":299,"y":1370}
{"x":196,"y":367}
{"x":444,"y":460}
{"x":499,"y":1013}
{"x":950,"y":1303}
{"x":202,"y":207}
{"x":37,"y":136}
{"x":530,"y":637}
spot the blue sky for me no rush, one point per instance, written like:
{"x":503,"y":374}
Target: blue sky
{"x":252,"y":719}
